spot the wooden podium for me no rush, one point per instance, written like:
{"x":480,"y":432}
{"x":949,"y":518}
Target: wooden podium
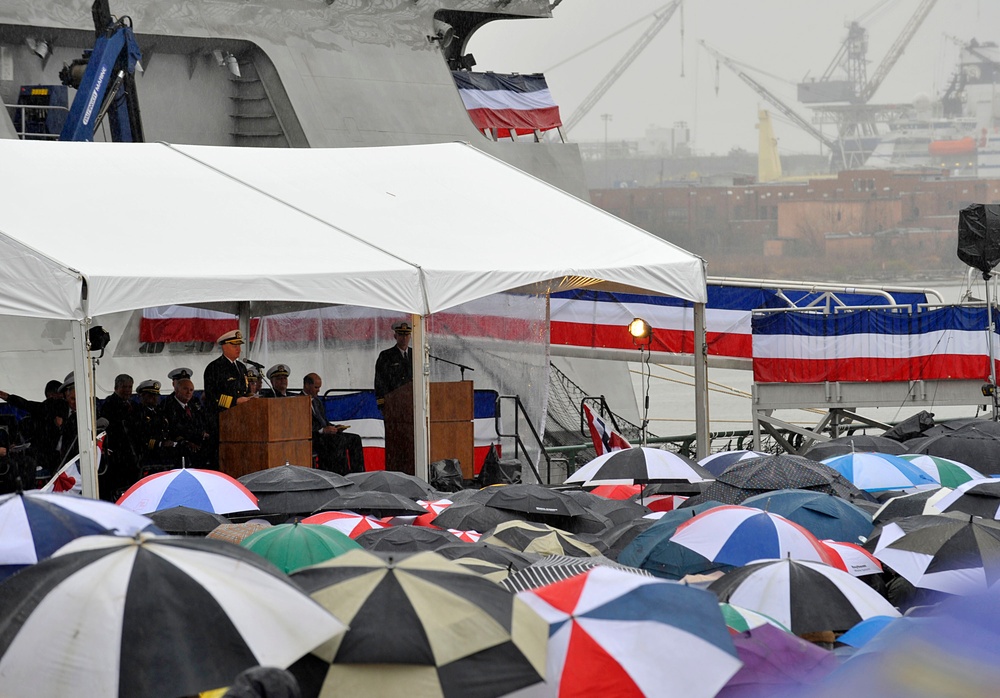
{"x":451,"y":426}
{"x":265,"y":433}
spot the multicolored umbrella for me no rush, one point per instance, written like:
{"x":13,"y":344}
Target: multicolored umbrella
{"x":653,"y":551}
{"x":804,"y":596}
{"x":949,"y":473}
{"x":617,"y":491}
{"x":639,"y":465}
{"x":739,"y":619}
{"x":877,"y":472}
{"x":852,"y":558}
{"x":33,"y":525}
{"x":290,"y":547}
{"x":767,"y":474}
{"x":776,"y":663}
{"x":737,"y":535}
{"x":538,"y":538}
{"x":346,"y":522}
{"x":919,"y":503}
{"x":612,"y":633}
{"x":976,"y":497}
{"x":822,"y":514}
{"x":466,"y":536}
{"x":555,"y":568}
{"x":150,"y":616}
{"x":435,"y":506}
{"x":419,"y":625}
{"x":208,"y":490}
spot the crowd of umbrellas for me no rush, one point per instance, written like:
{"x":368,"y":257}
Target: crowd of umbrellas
{"x":858,"y":567}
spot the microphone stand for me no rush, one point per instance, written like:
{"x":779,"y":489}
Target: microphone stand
{"x":461,"y":367}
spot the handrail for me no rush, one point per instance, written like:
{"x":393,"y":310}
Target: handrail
{"x":23,"y":133}
{"x":518,"y":443}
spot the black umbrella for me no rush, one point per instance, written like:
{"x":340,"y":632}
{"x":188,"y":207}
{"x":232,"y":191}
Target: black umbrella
{"x":977,"y":445}
{"x":618,"y":537}
{"x":534,"y":499}
{"x":185,"y":521}
{"x":976,"y":497}
{"x":861,"y":443}
{"x":406,"y":539}
{"x":373,"y":502}
{"x":759,"y":475}
{"x":394,"y":483}
{"x":617,"y":510}
{"x":910,"y":504}
{"x":496,"y":554}
{"x":296,"y":502}
{"x":291,"y":478}
{"x":907,"y":524}
{"x":471,"y":516}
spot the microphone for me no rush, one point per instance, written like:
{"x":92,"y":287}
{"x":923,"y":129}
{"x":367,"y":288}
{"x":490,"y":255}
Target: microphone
{"x":252,"y":363}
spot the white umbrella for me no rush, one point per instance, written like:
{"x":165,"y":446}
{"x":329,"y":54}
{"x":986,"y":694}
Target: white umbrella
{"x":150,"y":616}
{"x":639,"y":465}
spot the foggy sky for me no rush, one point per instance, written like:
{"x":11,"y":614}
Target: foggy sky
{"x":789,"y":39}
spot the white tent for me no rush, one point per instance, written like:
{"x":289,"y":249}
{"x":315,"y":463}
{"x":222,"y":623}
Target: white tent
{"x":88,"y":229}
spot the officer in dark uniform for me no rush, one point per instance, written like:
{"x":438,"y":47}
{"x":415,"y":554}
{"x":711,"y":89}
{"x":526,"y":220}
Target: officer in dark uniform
{"x":185,"y":422}
{"x":277,"y":375}
{"x":153,"y":445}
{"x":119,"y":459}
{"x":394,"y":366}
{"x":226,"y":385}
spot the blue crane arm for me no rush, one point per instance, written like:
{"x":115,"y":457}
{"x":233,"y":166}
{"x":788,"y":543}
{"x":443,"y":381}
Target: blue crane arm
{"x":114,"y":56}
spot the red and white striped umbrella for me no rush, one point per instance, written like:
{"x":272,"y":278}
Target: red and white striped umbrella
{"x":662,"y":502}
{"x":852,"y":558}
{"x":435,"y":506}
{"x":467,"y":536}
{"x":207,"y":490}
{"x":737,"y":535}
{"x":345,"y":521}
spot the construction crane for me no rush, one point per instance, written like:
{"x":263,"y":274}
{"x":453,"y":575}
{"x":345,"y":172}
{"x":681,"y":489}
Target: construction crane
{"x":773,"y":99}
{"x":868,"y":91}
{"x":660,"y":20}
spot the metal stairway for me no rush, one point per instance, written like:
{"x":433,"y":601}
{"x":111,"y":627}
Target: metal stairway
{"x":254,"y":121}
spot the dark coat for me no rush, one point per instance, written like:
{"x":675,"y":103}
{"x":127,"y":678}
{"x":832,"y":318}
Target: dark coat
{"x":393,"y":369}
{"x":225,"y":381}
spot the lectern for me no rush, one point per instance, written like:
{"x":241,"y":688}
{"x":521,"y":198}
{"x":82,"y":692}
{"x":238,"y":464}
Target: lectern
{"x":265,"y":433}
{"x":451,"y":426}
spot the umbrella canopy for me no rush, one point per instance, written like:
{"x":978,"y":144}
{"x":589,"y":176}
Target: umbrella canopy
{"x":555,"y":568}
{"x":497,"y":554}
{"x":877,"y":472}
{"x":804,"y":596}
{"x":822,"y":514}
{"x":372,"y":502}
{"x":290,"y":547}
{"x":861,"y":443}
{"x":851,"y":558}
{"x":617,"y":491}
{"x":530,"y":537}
{"x":150,"y":616}
{"x":954,"y":555}
{"x":208,"y":490}
{"x":33,"y":525}
{"x":663,"y":502}
{"x":618,"y":537}
{"x":614,"y":510}
{"x":736,"y":535}
{"x":864,"y":631}
{"x":236,"y":533}
{"x":292,"y":478}
{"x":776,"y":663}
{"x":758,"y":475}
{"x":977,"y":497}
{"x":405,"y":539}
{"x":453,"y":633}
{"x":717,"y":463}
{"x":639,"y":465}
{"x":465,"y":536}
{"x":185,"y":521}
{"x":346,"y":522}
{"x":615,"y":633}
{"x":910,"y":504}
{"x":973,"y":444}
{"x":739,"y":619}
{"x":393,"y":482}
{"x":473,"y":516}
{"x":435,"y":506}
{"x":653,"y":551}
{"x":534,"y":499}
{"x":947,"y":472}
{"x":490,"y":570}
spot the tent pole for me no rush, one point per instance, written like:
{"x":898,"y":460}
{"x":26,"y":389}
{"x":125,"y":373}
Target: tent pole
{"x":702,"y":430}
{"x":990,"y":330}
{"x":244,"y":324}
{"x":85,"y":428}
{"x":421,"y":398}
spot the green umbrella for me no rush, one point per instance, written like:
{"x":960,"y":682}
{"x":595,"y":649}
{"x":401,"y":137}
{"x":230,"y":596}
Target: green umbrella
{"x":293,"y":546}
{"x":950,"y":473}
{"x":742,"y":619}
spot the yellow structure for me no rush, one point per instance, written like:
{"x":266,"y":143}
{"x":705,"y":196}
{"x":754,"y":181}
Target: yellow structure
{"x":768,"y":160}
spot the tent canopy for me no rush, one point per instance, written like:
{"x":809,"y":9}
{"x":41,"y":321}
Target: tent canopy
{"x":413,"y":229}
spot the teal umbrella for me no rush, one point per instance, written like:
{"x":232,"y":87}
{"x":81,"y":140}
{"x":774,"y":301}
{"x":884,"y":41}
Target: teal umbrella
{"x":291,"y":547}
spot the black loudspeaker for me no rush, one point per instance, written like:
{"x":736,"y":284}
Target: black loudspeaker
{"x":979,"y":236}
{"x":446,"y":475}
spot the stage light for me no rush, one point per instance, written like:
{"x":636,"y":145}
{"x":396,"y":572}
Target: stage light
{"x":639,"y":329}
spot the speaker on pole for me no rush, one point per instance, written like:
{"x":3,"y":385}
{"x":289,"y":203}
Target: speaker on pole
{"x":979,"y":247}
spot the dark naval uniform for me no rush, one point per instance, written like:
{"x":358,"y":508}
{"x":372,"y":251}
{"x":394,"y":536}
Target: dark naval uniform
{"x":186,"y":427}
{"x":225,"y":381}
{"x":393,"y":369}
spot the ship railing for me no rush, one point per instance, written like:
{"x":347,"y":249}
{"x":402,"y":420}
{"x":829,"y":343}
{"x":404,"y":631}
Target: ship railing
{"x":23,"y":133}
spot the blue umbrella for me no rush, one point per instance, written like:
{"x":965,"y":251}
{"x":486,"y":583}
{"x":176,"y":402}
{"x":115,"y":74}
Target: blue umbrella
{"x":718,"y":462}
{"x":653,"y":551}
{"x":864,"y":631}
{"x":826,"y":516}
{"x":876,"y":472}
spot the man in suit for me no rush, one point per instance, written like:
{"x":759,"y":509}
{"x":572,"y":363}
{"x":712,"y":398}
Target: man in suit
{"x":337,"y":451}
{"x":119,"y":458}
{"x":394,"y":366}
{"x":277,"y":375}
{"x":226,"y":385}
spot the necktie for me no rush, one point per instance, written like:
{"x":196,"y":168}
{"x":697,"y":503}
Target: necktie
{"x":187,"y":410}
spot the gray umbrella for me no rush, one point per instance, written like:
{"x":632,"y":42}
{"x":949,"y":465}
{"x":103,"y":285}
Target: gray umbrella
{"x":471,"y":516}
{"x":534,"y":499}
{"x":977,"y":445}
{"x":393,"y":482}
{"x":406,"y":539}
{"x":292,"y":478}
{"x":496,"y":554}
{"x":185,"y":521}
{"x":376,"y":503}
{"x":854,"y":444}
{"x":618,"y":510}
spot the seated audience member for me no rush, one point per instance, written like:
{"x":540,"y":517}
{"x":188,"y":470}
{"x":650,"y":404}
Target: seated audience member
{"x":186,"y":425}
{"x":336,"y":450}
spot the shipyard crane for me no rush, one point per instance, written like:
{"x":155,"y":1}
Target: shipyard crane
{"x":660,"y":20}
{"x":887,"y":64}
{"x":773,"y":99}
